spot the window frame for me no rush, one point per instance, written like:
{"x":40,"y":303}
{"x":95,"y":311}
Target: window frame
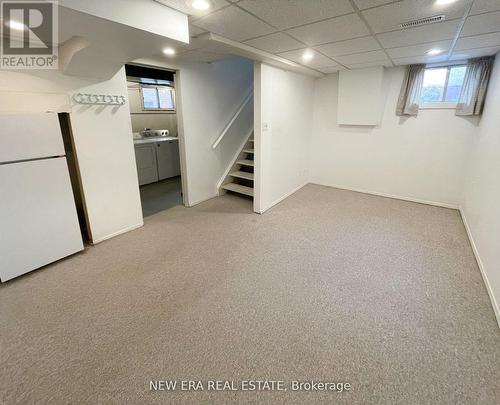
{"x":156,"y":87}
{"x":442,"y":104}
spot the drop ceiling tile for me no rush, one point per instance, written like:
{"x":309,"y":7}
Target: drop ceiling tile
{"x":478,"y":41}
{"x":291,"y":13}
{"x":194,"y":43}
{"x":481,"y":24}
{"x":419,"y":59}
{"x":235,"y":24}
{"x":200,"y":56}
{"x":368,"y":64}
{"x":366,"y":57}
{"x":420,"y":35}
{"x":417,"y":50}
{"x":184,"y":6}
{"x":350,"y":46}
{"x":331,"y":69}
{"x":274,"y":43}
{"x":485,"y":6}
{"x":195,"y":31}
{"x":475,"y":53}
{"x":316,"y":62}
{"x":336,"y":29}
{"x":388,"y":17}
{"x":362,"y":4}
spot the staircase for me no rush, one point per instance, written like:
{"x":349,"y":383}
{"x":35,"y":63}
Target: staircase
{"x":240,"y":179}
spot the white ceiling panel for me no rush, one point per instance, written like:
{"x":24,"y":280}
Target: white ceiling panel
{"x":195,"y":31}
{"x":336,"y":29}
{"x":194,"y":43}
{"x":481,"y":24}
{"x":417,"y":50}
{"x":478,"y":41}
{"x":484,"y":6}
{"x":291,"y":13}
{"x":274,"y":43}
{"x":420,"y":35}
{"x":184,"y":6}
{"x":350,"y":46}
{"x":200,"y":56}
{"x":419,"y":59}
{"x":235,"y":24}
{"x":369,"y":64}
{"x":474,"y":53}
{"x":338,"y":36}
{"x":362,"y":4}
{"x":331,"y":69}
{"x":387,"y":18}
{"x":317,"y":61}
{"x":365,"y":57}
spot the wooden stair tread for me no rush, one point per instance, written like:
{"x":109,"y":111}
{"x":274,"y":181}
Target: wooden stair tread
{"x":242,"y":175}
{"x":246,"y":162}
{"x":238,"y":188}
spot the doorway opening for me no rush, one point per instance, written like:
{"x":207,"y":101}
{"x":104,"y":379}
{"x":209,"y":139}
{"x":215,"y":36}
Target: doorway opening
{"x":153,"y":113}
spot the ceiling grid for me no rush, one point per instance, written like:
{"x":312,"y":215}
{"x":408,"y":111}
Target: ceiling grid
{"x":347,"y":34}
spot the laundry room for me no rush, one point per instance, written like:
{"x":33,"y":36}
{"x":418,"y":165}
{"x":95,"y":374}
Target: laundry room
{"x":153,"y":114}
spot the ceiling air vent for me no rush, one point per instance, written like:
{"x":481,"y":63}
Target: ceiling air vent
{"x":423,"y":21}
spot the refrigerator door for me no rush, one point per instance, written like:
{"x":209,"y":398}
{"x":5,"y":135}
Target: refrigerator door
{"x":30,"y":136}
{"x":38,"y":220}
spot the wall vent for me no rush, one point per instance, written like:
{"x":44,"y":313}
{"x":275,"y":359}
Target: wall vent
{"x":423,"y":21}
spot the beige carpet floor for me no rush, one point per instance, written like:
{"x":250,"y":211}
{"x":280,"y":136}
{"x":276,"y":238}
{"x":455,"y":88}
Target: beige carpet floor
{"x":329,"y":285}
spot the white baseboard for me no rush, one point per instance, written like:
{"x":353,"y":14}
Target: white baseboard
{"x":193,"y":203}
{"x":128,"y":229}
{"x":283,"y":197}
{"x":396,"y":197}
{"x":493,"y":300}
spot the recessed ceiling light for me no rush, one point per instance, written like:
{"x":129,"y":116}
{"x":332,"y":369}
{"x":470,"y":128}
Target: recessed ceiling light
{"x":16,"y":25}
{"x":307,"y":55}
{"x":444,"y":2}
{"x":200,"y":4}
{"x":169,"y":51}
{"x":434,"y":52}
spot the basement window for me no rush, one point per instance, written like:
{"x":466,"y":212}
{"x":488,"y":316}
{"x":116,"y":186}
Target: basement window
{"x":161,"y":98}
{"x":442,"y":86}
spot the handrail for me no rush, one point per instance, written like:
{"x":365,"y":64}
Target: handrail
{"x":236,"y":115}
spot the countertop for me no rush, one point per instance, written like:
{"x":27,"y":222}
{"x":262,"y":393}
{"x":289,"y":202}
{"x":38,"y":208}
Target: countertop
{"x":153,"y":139}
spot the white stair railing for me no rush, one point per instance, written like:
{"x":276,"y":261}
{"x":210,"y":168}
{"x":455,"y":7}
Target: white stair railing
{"x":235,"y":116}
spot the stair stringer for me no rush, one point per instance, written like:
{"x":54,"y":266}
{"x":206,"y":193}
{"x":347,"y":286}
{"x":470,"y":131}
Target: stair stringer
{"x":226,"y":178}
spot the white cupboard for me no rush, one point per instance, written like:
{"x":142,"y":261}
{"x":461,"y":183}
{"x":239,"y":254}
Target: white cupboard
{"x":157,"y":161}
{"x":167,"y":154}
{"x":145,"y":157}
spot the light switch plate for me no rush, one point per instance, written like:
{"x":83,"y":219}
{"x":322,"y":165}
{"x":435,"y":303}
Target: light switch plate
{"x":266,"y":126}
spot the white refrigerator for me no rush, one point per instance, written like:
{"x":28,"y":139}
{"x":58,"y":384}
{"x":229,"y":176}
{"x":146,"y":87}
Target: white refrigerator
{"x":38,"y":218}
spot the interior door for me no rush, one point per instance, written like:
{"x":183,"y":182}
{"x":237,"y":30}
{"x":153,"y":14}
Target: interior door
{"x":38,"y":220}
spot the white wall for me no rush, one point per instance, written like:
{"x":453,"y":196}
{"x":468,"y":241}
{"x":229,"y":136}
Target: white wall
{"x":105,"y":151}
{"x":208,"y":95}
{"x":103,"y":138}
{"x":411,"y":158}
{"x":481,"y":205}
{"x":283,"y":101}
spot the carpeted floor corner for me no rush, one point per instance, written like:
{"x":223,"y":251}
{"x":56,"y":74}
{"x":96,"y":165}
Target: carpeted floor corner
{"x":329,"y":285}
